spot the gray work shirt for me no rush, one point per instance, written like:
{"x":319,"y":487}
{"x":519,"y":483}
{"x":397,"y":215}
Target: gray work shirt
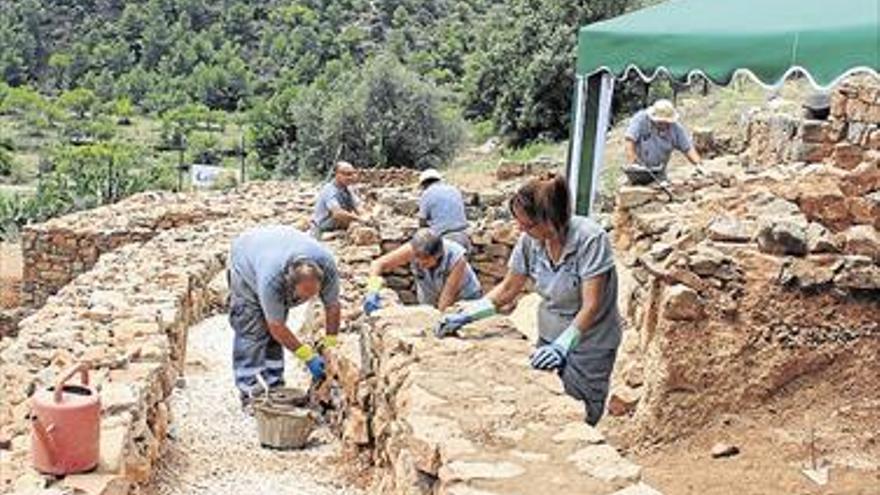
{"x":654,"y":146}
{"x":429,"y":283}
{"x":332,"y":196}
{"x":442,"y":208}
{"x":259,"y":257}
{"x":586,"y":254}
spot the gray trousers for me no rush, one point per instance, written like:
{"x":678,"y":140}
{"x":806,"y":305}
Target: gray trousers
{"x":586,"y":376}
{"x":254,"y":351}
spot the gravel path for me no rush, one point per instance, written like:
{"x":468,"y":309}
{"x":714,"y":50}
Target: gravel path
{"x":213,"y":447}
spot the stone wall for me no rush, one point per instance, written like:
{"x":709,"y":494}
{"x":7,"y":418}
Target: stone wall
{"x":58,"y":250}
{"x":493,"y":233}
{"x":388,"y":177}
{"x":128,"y":317}
{"x":746,"y":285}
{"x":850,"y":135}
{"x":468,"y":415}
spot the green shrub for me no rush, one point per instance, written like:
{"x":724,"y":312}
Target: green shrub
{"x":384,"y":115}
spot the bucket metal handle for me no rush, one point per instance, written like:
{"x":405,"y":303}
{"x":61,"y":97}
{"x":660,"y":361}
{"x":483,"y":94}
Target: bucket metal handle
{"x":81,"y":368}
{"x":262,"y":382}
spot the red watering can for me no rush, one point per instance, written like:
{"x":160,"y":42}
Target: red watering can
{"x":65,"y":433}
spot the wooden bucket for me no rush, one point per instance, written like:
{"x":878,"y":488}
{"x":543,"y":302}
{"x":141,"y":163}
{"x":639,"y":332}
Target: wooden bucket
{"x":284,"y":420}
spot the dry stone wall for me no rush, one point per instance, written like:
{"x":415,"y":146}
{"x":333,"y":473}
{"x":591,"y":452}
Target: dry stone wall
{"x":746,"y":284}
{"x":850,"y":135}
{"x":60,"y":249}
{"x":468,"y":415}
{"x":128,"y":317}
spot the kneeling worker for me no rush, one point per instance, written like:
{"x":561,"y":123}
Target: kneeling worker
{"x":272,"y":269}
{"x":337,"y":206}
{"x":440,"y":267}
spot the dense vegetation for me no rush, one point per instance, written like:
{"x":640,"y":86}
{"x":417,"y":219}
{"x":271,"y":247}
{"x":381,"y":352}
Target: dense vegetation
{"x":378,"y":82}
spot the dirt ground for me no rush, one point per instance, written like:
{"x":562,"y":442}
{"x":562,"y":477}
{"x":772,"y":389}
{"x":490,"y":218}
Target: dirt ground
{"x":213,"y":447}
{"x":10,"y":274}
{"x":774,"y":445}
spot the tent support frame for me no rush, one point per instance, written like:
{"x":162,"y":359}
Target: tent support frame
{"x":591,"y":116}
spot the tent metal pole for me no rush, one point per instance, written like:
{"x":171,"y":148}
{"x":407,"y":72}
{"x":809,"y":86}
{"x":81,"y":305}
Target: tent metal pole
{"x":575,"y":148}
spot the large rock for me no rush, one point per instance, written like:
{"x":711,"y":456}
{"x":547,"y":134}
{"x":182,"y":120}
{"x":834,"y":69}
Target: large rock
{"x":858,"y":273}
{"x":730,"y":229}
{"x":863,"y":240}
{"x":629,"y":197}
{"x":784,"y":236}
{"x":682,"y":303}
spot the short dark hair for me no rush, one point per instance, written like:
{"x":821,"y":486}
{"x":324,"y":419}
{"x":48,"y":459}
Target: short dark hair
{"x":426,"y":242}
{"x":544,"y":199}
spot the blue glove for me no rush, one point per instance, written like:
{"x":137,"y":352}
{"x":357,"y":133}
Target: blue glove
{"x":548,"y":357}
{"x":316,"y":367}
{"x":451,"y":323}
{"x":372,"y":302}
{"x":552,"y":356}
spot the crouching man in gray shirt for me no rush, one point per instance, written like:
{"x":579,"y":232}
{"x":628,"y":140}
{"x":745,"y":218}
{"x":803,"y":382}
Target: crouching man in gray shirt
{"x":337,"y":206}
{"x":272,"y":269}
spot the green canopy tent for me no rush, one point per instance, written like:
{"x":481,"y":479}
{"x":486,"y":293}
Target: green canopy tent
{"x":767,"y":39}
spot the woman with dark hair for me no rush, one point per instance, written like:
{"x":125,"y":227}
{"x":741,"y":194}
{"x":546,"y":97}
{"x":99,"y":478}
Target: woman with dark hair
{"x":570,"y":260}
{"x":440,"y":267}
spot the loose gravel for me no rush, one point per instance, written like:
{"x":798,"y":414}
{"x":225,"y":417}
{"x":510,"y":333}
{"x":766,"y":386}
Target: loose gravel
{"x":213,"y":446}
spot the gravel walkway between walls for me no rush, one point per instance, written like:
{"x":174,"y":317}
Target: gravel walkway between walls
{"x":213,"y":447}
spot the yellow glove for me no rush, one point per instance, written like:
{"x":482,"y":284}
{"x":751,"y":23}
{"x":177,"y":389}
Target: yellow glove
{"x":329,"y":342}
{"x":374,"y":284}
{"x":304,"y":353}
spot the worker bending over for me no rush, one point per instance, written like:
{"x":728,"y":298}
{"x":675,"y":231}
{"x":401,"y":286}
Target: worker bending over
{"x":439,"y":266}
{"x":569,"y":259}
{"x":272,"y":269}
{"x":651,"y":137}
{"x":441,"y":208}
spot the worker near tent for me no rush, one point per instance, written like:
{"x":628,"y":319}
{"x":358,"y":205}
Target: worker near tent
{"x":569,"y":258}
{"x":272,"y":269}
{"x":337,"y":206}
{"x":439,"y":266}
{"x":651,"y":137}
{"x":441,"y":208}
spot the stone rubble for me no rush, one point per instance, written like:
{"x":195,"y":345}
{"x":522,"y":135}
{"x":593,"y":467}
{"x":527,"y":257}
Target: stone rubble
{"x":743,"y":260}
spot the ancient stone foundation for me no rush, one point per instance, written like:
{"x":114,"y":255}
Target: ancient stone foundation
{"x":846,"y":138}
{"x":57,"y":251}
{"x":468,"y":415}
{"x":128,"y":318}
{"x":747,"y":284}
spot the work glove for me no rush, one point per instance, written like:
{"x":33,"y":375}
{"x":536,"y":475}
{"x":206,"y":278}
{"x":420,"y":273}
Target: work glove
{"x":552,"y":356}
{"x":373,"y":300}
{"x":451,"y":323}
{"x":372,"y":303}
{"x":314,"y":362}
{"x":328,"y":342}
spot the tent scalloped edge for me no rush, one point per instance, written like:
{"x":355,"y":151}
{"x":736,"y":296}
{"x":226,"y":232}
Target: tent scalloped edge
{"x":796,"y":69}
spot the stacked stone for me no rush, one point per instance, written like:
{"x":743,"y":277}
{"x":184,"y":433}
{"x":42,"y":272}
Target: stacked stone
{"x":850,"y":136}
{"x":56,"y":251}
{"x":854,"y":130}
{"x":435,"y":421}
{"x":732,"y":260}
{"x":127,"y":316}
{"x":388,"y":177}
